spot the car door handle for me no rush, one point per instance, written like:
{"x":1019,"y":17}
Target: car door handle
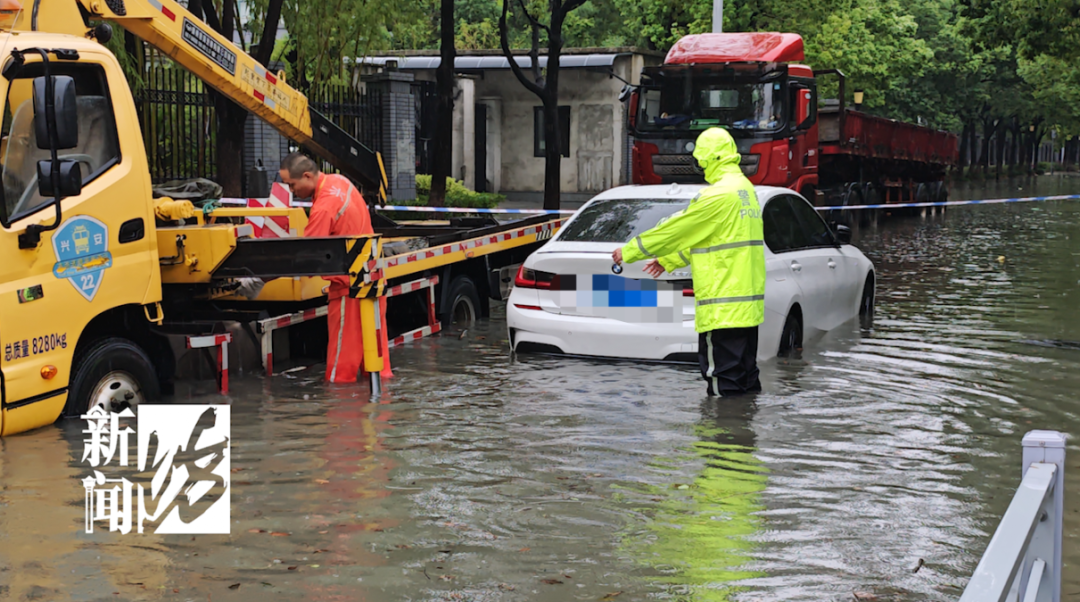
{"x":832,"y":265}
{"x":796,"y":266}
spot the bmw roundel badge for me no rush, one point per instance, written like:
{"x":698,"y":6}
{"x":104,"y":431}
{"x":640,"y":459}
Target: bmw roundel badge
{"x":616,"y":268}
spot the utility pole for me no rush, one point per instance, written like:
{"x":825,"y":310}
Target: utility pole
{"x":718,"y":16}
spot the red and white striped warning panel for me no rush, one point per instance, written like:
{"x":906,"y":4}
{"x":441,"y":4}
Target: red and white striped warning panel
{"x":409,"y":287}
{"x":212,"y":340}
{"x":272,"y":227}
{"x":542,"y":231}
{"x":414,"y":335}
{"x":301,"y":316}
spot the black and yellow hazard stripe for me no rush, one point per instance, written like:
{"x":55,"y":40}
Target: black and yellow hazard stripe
{"x":361,"y":257}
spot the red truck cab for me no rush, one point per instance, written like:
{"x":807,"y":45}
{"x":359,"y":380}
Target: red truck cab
{"x":754,"y":85}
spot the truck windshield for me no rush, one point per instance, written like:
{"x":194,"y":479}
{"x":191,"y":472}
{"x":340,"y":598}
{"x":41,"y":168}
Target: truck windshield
{"x":705,"y":103}
{"x":619,"y":220}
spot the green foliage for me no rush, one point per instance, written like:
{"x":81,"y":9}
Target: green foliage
{"x":457,"y":195}
{"x":325,"y":37}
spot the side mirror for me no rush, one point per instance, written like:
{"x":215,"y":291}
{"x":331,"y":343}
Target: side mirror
{"x":65,"y":110}
{"x":803,"y":109}
{"x":843,"y":234}
{"x":70,"y":179}
{"x":625,"y":93}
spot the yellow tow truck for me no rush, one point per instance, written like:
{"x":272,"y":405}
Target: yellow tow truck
{"x":90,"y":278}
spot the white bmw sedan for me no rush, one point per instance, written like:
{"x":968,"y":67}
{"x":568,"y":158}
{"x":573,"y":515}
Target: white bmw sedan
{"x":568,"y":298}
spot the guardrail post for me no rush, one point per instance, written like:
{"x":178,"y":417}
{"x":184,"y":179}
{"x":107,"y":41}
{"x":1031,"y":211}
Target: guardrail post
{"x":1048,"y":447}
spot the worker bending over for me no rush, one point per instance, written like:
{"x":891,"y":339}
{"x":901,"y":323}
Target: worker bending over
{"x":337,"y":209}
{"x":719,"y":235}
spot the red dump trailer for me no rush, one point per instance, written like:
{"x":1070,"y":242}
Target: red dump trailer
{"x":753,"y":85}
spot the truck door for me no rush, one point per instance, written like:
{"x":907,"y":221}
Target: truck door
{"x":101,"y":255}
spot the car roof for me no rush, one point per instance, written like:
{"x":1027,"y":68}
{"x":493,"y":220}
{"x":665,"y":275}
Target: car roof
{"x":674,"y":192}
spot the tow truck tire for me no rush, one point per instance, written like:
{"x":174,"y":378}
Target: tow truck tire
{"x":112,"y":370}
{"x":462,"y":304}
{"x":792,"y":335}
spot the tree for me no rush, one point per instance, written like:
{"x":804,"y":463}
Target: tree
{"x":444,"y":127}
{"x":230,"y":116}
{"x":544,"y":83}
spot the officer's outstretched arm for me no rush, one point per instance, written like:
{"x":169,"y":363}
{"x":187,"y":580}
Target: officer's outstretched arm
{"x":684,"y":230}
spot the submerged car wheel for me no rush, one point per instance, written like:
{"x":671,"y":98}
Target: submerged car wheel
{"x":113,"y":373}
{"x":866,"y":304}
{"x":792,"y":335}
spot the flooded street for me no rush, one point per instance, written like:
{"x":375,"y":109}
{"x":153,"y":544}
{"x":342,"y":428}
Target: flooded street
{"x":476,"y":476}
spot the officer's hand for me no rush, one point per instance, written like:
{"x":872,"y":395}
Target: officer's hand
{"x":616,"y":256}
{"x":653,"y":268}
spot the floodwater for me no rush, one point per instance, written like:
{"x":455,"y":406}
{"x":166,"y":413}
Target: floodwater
{"x":480,"y":477}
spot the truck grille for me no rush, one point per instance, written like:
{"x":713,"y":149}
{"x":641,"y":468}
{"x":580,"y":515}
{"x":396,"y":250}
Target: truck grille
{"x":685,"y":166}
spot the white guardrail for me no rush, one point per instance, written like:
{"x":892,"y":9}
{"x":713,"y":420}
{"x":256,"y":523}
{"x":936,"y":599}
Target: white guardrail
{"x":1023,"y":561}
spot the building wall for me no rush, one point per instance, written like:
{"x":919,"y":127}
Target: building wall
{"x":596,"y":124}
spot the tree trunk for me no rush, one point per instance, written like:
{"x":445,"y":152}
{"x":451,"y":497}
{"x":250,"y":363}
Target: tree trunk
{"x":552,"y":127}
{"x":988,"y":133}
{"x":1001,"y":146}
{"x":964,"y":146}
{"x":265,"y":50}
{"x":444,"y":123}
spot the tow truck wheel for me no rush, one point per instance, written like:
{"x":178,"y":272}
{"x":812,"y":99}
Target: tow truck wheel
{"x":113,"y":373}
{"x":463,"y":303}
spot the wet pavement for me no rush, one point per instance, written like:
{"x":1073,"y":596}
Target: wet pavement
{"x":476,"y":476}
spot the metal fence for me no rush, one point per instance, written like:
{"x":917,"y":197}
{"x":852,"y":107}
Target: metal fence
{"x":358,"y":112}
{"x":179,"y":127}
{"x":176,"y":114}
{"x":1023,"y":560}
{"x":425,"y":100}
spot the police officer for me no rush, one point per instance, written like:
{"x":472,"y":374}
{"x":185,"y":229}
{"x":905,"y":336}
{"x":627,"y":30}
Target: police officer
{"x":719,"y":235}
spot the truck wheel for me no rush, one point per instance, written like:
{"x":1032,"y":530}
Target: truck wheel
{"x":871,"y":196}
{"x":462,"y":304}
{"x":114,"y":373}
{"x":924,"y":194}
{"x":791,"y":336}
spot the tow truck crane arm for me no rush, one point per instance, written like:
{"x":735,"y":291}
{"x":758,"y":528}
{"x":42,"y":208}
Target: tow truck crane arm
{"x":172,"y":29}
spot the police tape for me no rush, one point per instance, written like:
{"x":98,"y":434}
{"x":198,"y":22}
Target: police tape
{"x":1029,"y":199}
{"x":467,"y":210}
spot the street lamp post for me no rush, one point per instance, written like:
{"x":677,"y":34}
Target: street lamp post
{"x":718,"y":16}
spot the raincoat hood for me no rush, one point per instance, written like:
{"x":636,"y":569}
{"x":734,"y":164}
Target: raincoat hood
{"x":717,"y":154}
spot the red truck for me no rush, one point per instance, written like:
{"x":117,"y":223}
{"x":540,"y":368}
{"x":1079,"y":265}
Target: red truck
{"x":753,"y":85}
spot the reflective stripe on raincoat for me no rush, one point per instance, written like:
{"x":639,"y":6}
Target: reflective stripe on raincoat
{"x":719,"y":235}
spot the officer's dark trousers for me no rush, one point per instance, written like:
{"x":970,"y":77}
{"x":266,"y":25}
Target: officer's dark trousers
{"x":728,"y":359}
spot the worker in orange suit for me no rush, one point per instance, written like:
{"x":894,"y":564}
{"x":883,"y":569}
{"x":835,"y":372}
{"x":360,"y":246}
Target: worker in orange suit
{"x":337,"y":209}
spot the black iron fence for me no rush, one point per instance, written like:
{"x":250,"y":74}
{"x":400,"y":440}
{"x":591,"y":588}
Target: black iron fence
{"x":178,"y":121}
{"x":357,"y":112}
{"x":176,"y":114}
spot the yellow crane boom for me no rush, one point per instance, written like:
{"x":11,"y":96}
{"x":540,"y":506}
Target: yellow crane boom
{"x":175,"y":31}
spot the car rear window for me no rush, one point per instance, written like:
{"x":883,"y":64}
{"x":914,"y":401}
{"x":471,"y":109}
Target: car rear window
{"x":619,"y":220}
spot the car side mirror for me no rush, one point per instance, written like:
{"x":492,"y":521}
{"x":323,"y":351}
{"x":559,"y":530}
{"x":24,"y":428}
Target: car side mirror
{"x":65,"y":111}
{"x":843,"y":234}
{"x":627,"y":90}
{"x":70,"y":179}
{"x":803,"y":109}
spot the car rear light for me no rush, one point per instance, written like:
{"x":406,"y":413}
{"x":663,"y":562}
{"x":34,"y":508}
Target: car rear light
{"x":527,"y":278}
{"x":535,"y":307}
{"x":688,"y":292}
